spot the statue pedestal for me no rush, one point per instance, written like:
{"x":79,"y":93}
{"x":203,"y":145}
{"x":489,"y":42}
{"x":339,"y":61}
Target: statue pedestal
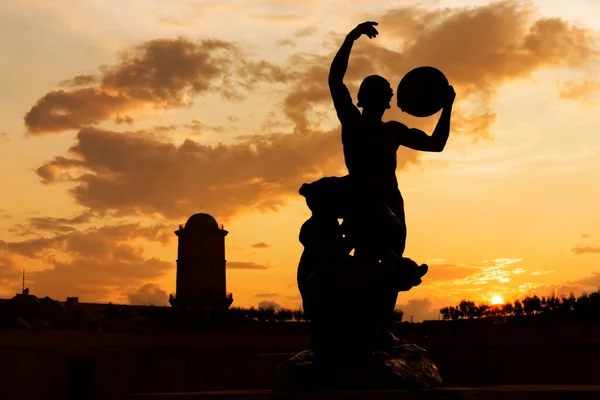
{"x":519,"y":392}
{"x":404,"y":366}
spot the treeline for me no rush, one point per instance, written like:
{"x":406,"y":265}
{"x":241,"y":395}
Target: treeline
{"x":582,"y":307}
{"x":271,"y":314}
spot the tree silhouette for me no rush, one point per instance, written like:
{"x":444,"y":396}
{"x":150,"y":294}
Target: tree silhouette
{"x":482,"y":310}
{"x":531,"y":306}
{"x":445,"y":313}
{"x":508,"y":309}
{"x":468,"y":309}
{"x":518,"y":308}
{"x":284,"y":315}
{"x":397,"y":316}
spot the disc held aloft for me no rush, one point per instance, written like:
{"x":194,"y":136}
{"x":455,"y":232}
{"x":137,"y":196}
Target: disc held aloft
{"x":421,"y":92}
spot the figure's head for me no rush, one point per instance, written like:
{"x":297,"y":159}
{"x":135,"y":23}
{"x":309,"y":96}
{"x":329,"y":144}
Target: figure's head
{"x":375,"y":92}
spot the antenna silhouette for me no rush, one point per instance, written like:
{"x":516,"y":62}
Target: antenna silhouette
{"x":23,"y":288}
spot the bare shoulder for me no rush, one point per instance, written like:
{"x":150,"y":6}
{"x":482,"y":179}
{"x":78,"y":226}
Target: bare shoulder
{"x":395,"y":125}
{"x":397,"y":129}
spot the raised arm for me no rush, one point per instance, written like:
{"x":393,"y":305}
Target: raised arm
{"x":418,"y":140}
{"x":342,"y":100}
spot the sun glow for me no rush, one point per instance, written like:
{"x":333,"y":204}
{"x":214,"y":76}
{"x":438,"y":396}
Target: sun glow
{"x":497,"y":300}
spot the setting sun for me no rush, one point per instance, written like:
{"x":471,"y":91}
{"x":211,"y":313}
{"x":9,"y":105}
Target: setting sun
{"x":497,"y":300}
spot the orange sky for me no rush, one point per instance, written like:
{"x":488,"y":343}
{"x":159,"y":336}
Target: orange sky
{"x":117,"y":124}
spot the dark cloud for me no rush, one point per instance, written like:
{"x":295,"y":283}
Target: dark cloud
{"x":125,"y":119}
{"x":261,"y":245}
{"x":245,"y":265}
{"x":139,"y":173}
{"x":94,"y":241}
{"x":266,"y":295}
{"x":60,"y":110}
{"x":149,"y":294}
{"x":478,"y":48}
{"x":59,"y":225}
{"x":580,"y":250}
{"x":91,"y":264}
{"x":79,"y":80}
{"x":161,"y":73}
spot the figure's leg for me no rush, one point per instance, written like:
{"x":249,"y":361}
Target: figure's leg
{"x":395,"y":238}
{"x":397,"y":231}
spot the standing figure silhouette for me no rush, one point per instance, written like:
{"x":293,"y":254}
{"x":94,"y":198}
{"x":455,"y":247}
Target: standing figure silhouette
{"x":370,"y":145}
{"x":367,"y":199}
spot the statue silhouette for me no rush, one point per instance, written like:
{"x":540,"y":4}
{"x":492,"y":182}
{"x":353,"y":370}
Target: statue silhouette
{"x":367,"y":199}
{"x":350,"y":299}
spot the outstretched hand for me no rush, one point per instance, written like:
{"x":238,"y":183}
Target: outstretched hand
{"x":366,"y":28}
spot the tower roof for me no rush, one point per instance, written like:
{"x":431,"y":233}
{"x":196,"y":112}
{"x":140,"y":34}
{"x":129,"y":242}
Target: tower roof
{"x":201,"y":221}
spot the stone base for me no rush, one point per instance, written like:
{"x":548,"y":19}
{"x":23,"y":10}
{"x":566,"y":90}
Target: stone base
{"x":405,"y":366}
{"x":515,"y":392}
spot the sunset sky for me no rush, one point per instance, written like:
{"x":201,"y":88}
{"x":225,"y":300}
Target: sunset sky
{"x":120,"y":120}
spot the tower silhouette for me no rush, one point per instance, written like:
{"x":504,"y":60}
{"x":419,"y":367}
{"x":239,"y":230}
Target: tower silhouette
{"x":201,"y":275}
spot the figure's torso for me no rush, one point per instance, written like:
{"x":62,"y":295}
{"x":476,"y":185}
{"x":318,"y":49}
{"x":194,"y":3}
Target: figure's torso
{"x":370,"y":154}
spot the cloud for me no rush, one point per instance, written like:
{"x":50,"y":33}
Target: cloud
{"x":161,"y":73}
{"x":10,"y":275}
{"x":452,"y":274}
{"x":582,"y":91}
{"x":537,"y":273}
{"x":91,"y":264}
{"x":307,"y":31}
{"x":585,"y":236}
{"x":261,"y":245}
{"x":136,"y":173}
{"x":445,"y":272}
{"x":266,"y":295}
{"x":580,"y":250}
{"x":588,"y":284}
{"x":510,"y":42}
{"x":478,"y":48}
{"x":170,"y":22}
{"x":4,"y":137}
{"x":60,"y":110}
{"x":286,"y":42}
{"x":79,"y":80}
{"x":149,"y":294}
{"x":59,"y":225}
{"x":245,"y":265}
{"x":419,"y":309}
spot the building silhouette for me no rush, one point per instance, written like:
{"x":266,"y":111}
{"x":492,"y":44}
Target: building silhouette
{"x":201,"y":275}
